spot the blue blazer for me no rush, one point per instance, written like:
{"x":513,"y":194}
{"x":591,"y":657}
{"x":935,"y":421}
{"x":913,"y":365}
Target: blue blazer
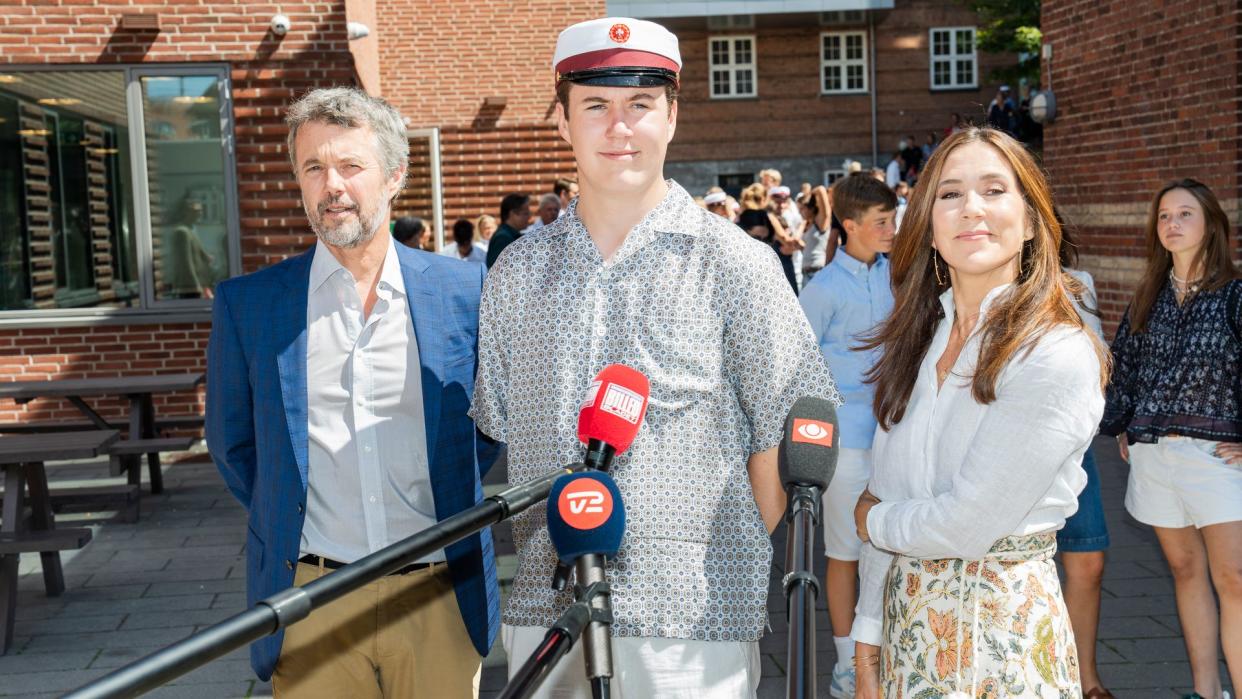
{"x":257,"y":432}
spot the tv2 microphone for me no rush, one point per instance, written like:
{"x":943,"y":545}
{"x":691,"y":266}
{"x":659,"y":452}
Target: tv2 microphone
{"x":586,"y":522}
{"x":807,"y":458}
{"x":612,"y":413}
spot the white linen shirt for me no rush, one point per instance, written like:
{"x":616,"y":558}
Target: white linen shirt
{"x":954,"y":476}
{"x":368,"y":484}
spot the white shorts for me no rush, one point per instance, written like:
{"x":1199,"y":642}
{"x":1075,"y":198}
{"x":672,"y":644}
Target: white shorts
{"x":848,"y":482}
{"x":646,"y":668}
{"x":1181,"y":482}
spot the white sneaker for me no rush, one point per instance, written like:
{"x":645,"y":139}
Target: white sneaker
{"x":843,"y":682}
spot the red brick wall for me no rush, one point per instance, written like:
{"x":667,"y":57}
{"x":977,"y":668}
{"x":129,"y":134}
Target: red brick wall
{"x":790,"y":118}
{"x":267,"y":73}
{"x":1146,"y":93}
{"x":439,"y":72}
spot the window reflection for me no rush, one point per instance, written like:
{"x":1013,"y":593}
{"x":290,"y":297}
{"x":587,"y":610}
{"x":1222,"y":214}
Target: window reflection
{"x":66,"y":231}
{"x":185,"y":172}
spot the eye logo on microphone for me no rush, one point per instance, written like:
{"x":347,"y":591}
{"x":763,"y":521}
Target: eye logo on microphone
{"x":812,"y":432}
{"x":585,"y":504}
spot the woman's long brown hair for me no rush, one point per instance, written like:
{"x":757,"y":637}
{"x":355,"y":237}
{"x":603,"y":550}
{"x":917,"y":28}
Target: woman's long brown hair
{"x":1213,"y":257}
{"x":1039,"y":301}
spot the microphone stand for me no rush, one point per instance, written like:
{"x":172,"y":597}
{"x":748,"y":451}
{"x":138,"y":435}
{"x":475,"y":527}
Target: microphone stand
{"x":590,"y":571}
{"x":801,"y":589}
{"x":558,"y":640}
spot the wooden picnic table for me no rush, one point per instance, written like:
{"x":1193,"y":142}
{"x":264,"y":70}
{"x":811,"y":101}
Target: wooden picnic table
{"x":21,"y":460}
{"x":138,"y":389}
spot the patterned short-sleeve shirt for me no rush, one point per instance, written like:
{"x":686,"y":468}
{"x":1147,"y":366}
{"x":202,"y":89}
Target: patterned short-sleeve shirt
{"x":705,"y":313}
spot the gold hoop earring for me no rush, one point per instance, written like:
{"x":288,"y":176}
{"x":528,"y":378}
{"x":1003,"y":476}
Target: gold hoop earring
{"x":936,"y":267}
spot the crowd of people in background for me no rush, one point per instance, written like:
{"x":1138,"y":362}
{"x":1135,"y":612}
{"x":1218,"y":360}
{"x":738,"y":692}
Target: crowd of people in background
{"x":849,"y":228}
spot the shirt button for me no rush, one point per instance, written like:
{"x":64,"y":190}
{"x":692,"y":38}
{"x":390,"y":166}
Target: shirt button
{"x":372,"y":498}
{"x":601,"y":330}
{"x":367,"y":448}
{"x":289,"y":564}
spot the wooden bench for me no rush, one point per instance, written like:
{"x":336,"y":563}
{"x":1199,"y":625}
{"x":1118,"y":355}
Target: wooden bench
{"x":128,"y":494}
{"x":43,"y":540}
{"x":172,"y":422}
{"x":127,"y":458}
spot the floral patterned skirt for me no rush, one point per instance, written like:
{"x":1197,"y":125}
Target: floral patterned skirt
{"x":989,"y":628}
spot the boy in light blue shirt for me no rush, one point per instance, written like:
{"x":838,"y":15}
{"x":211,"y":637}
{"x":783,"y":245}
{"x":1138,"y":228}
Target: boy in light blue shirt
{"x":844,"y":301}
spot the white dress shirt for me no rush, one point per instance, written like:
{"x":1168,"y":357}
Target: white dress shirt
{"x":369,"y":484}
{"x":954,"y":476}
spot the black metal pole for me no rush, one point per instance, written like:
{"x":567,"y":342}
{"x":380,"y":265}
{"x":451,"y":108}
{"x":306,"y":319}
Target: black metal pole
{"x":801,"y":591}
{"x":556,"y":643}
{"x":296,"y":603}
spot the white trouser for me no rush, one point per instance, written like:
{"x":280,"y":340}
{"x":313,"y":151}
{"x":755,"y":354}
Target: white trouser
{"x":647,"y":668}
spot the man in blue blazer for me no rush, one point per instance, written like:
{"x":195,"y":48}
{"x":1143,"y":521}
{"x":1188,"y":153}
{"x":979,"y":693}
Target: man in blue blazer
{"x":337,"y":391}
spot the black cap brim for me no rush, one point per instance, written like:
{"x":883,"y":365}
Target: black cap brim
{"x":622,"y":77}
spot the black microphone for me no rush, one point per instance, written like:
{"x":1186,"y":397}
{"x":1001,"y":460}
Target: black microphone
{"x":807,"y":458}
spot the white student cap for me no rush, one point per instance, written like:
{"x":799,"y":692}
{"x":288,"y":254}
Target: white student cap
{"x":715,"y":198}
{"x":617,"y":52}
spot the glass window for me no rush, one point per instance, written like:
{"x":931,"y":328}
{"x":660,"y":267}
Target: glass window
{"x":185,"y":176}
{"x":733,"y":67}
{"x":953,"y":59}
{"x":109,"y":206}
{"x":843,"y":62}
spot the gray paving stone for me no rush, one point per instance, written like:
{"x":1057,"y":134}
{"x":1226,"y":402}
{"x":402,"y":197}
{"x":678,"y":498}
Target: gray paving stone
{"x":144,"y":638}
{"x":66,"y":659}
{"x":198,"y":618}
{"x":26,"y":683}
{"x":1137,"y":606}
{"x":69,"y":624}
{"x":1135,"y":627}
{"x":195,"y":587}
{"x":141,"y":605}
{"x":117,"y":577}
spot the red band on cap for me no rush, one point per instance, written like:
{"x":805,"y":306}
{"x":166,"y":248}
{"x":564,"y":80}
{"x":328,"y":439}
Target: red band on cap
{"x":615,"y":58}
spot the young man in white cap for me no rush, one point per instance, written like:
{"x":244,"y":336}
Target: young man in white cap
{"x":636,"y":273}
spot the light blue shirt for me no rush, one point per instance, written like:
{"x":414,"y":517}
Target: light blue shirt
{"x":843,"y":301}
{"x":368,"y":484}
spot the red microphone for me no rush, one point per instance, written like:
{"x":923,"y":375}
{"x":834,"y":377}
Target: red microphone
{"x":611,"y":414}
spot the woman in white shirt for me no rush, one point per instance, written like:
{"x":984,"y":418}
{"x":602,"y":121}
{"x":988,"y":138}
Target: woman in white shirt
{"x":988,"y":391}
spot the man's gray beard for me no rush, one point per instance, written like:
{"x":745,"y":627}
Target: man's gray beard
{"x":347,"y":235}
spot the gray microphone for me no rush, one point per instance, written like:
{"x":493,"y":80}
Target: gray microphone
{"x":808,"y":458}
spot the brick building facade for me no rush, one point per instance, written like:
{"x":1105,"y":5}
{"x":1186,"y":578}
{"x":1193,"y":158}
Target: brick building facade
{"x":792,"y":123}
{"x":437,"y":62}
{"x":99,"y":97}
{"x":1146,"y":93}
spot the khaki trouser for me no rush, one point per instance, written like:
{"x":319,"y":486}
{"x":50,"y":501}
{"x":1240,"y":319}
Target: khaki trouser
{"x":400,"y":636}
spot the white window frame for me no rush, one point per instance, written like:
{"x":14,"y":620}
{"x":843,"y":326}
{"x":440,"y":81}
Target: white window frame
{"x":732,"y":66}
{"x":952,"y":58}
{"x":843,"y":63}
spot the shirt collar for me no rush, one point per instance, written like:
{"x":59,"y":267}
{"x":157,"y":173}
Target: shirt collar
{"x":324,"y":265}
{"x":664,"y":218}
{"x":855,"y":266}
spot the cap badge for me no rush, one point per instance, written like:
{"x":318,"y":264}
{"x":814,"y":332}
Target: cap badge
{"x":619,"y":33}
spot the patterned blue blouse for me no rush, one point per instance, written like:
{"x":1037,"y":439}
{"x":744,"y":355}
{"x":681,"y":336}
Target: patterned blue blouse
{"x":1183,"y":375}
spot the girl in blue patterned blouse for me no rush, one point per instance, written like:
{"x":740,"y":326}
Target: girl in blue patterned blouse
{"x":1175,"y":405}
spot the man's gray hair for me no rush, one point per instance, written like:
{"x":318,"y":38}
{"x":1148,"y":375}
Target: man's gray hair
{"x":352,"y":108}
{"x":550,"y":198}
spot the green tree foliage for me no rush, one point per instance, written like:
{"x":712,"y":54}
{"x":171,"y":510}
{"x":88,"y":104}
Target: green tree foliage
{"x":1010,"y":26}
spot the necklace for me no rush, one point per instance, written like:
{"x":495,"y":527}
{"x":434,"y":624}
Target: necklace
{"x":1186,"y":286}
